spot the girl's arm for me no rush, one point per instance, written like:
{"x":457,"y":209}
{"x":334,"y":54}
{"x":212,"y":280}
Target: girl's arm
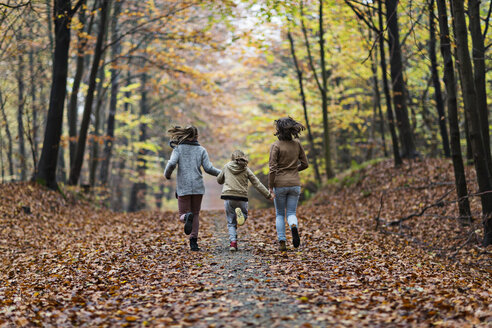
{"x":221,"y":177}
{"x":207,"y":166}
{"x":258,"y":185}
{"x":171,"y":164}
{"x":302,"y":158}
{"x":273,"y":164}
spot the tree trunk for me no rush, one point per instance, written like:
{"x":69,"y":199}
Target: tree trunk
{"x":138,"y":192}
{"x":322,"y":86}
{"x":377,"y":101}
{"x":9,"y":137}
{"x":20,"y":117}
{"x":34,"y":109}
{"x":46,"y":174}
{"x":84,"y":126}
{"x":399,"y":92}
{"x":324,"y":97}
{"x":437,"y":82}
{"x":94,"y":160}
{"x":389,"y":107}
{"x":479,"y":75}
{"x":471,"y":110}
{"x":449,"y":80}
{"x":117,"y":199}
{"x":79,"y":72}
{"x":115,"y":52}
{"x":304,"y":107}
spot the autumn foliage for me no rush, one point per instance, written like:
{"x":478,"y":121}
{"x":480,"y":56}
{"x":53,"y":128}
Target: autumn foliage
{"x":67,"y":263}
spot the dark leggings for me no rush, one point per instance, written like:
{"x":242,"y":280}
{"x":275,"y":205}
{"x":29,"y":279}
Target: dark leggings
{"x":191,"y":203}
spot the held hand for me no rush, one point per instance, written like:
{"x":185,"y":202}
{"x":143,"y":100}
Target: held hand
{"x":272,"y":196}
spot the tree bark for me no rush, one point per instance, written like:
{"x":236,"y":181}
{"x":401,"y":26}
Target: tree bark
{"x":450,"y":82}
{"x":84,"y":126}
{"x":115,"y":80}
{"x":72,"y":104}
{"x":437,"y":82}
{"x":46,"y":175}
{"x":94,"y":158}
{"x":471,"y":110}
{"x":34,"y":108}
{"x":322,"y":86}
{"x":324,"y":96}
{"x":377,"y":101}
{"x":479,"y":75}
{"x":389,"y":108}
{"x":304,"y":107}
{"x":399,"y":92}
{"x":139,"y":188}
{"x":9,"y":137}
{"x":20,"y":117}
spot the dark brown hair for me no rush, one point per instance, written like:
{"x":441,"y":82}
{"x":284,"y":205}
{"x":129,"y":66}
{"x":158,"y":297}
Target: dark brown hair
{"x":288,"y":128}
{"x":179,"y":134}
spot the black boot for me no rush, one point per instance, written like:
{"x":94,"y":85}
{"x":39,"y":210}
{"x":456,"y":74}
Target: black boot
{"x":188,"y":223}
{"x":194,"y":244}
{"x":295,"y":236}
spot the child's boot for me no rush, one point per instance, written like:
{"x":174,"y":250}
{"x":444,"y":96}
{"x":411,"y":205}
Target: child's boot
{"x":188,"y":218}
{"x":295,"y":236}
{"x":194,"y":244}
{"x":233,"y":247}
{"x":281,"y":246}
{"x":239,"y":216}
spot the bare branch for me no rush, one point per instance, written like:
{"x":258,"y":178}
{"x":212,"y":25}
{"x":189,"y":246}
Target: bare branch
{"x":25,"y":4}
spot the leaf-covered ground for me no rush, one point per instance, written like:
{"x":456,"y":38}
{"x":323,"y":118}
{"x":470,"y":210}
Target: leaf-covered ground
{"x":66,"y":263}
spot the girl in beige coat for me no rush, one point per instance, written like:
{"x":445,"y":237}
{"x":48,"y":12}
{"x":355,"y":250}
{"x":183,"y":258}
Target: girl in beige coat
{"x":235,"y":177}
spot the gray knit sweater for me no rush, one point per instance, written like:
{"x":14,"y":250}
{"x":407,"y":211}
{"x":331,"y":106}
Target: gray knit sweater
{"x":189,"y":159}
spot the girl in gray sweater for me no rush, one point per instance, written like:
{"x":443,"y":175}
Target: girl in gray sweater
{"x":189,"y":157}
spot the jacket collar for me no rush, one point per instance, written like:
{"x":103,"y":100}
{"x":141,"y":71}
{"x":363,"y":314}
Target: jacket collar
{"x":174,"y":144}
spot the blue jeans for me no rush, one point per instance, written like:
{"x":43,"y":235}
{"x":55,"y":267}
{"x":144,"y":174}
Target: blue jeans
{"x":286,"y":199}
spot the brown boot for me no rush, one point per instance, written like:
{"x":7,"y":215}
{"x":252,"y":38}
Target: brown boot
{"x":281,"y":246}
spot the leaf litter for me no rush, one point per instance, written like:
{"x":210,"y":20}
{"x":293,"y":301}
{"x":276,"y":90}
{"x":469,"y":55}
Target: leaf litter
{"x":65,"y":262}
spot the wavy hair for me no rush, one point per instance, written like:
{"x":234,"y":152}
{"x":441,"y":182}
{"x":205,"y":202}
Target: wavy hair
{"x":288,"y":128}
{"x":179,"y":134}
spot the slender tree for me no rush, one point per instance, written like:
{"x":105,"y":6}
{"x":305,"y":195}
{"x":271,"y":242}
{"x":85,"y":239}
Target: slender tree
{"x":300,"y":80}
{"x":437,"y":83}
{"x":98,"y":121}
{"x":115,"y":81}
{"x":79,"y":72}
{"x":389,"y":108}
{"x":377,"y":100}
{"x":322,"y":86}
{"x":84,"y":126}
{"x":479,"y":74}
{"x":451,"y":99}
{"x":62,"y":15}
{"x":9,"y":136}
{"x":139,"y":188}
{"x":20,"y":117}
{"x":471,"y":111}
{"x":397,"y":81}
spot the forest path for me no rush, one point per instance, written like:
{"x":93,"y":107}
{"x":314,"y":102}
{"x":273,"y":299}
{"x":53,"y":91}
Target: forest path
{"x":246,"y":292}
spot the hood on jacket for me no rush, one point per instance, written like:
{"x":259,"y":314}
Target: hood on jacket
{"x":238,"y":162}
{"x":237,"y":167}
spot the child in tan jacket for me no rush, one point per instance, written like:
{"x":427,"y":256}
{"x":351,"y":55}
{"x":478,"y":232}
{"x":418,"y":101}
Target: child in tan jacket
{"x":235,"y":177}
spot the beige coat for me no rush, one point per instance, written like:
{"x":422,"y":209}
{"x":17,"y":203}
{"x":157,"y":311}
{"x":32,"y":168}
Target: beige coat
{"x":235,"y":178}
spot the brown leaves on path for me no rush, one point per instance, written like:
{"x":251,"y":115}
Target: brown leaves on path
{"x":65,"y":263}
